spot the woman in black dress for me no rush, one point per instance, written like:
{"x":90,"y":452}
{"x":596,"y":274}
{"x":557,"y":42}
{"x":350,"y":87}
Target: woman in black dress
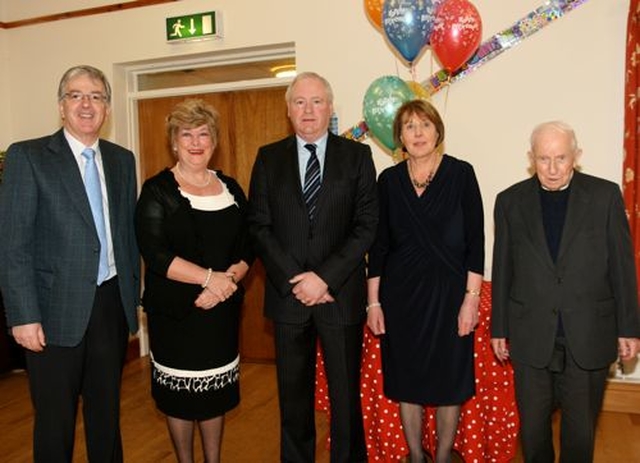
{"x":190,"y":223}
{"x":425,"y":274}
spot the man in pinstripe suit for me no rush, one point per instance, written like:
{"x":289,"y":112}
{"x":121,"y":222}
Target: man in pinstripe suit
{"x":72,"y":321}
{"x":312,"y":243}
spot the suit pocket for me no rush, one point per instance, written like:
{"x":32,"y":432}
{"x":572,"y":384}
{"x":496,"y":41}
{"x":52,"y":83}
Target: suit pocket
{"x":518,"y":309}
{"x":44,"y":279}
{"x":606,"y":308}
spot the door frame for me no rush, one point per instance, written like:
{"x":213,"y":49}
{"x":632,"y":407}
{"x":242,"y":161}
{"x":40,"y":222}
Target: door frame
{"x":125,"y":103}
{"x":127,"y":76}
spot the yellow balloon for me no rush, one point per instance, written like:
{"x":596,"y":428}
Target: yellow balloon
{"x":418,"y":90}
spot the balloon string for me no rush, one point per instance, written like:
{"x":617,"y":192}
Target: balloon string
{"x":413,"y":73}
{"x":446,"y":93}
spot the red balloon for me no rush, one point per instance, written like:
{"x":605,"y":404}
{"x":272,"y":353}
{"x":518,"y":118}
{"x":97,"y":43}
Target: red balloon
{"x":456,"y":33}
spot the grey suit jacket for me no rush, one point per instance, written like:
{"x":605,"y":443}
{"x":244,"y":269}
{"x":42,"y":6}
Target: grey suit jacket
{"x":333,"y":246}
{"x":592,"y":284}
{"x":49,"y":247}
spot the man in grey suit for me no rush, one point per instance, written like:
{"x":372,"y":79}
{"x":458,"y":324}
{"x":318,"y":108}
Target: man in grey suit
{"x":70,"y":269}
{"x":564,"y":294}
{"x":313,"y":215}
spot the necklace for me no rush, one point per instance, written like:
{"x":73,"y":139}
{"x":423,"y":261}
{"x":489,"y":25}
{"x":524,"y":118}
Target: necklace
{"x":427,"y":181}
{"x":199,"y":185}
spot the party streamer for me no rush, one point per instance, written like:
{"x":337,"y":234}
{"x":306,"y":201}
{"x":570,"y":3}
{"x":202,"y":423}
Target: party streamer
{"x":502,"y":41}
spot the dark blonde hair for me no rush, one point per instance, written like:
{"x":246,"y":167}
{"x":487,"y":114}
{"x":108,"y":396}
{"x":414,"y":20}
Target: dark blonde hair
{"x":422,"y":109}
{"x":192,"y":113}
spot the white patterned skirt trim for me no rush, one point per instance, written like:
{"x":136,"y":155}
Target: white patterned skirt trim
{"x":196,"y":380}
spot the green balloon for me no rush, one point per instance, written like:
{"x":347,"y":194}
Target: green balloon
{"x":381,"y":102}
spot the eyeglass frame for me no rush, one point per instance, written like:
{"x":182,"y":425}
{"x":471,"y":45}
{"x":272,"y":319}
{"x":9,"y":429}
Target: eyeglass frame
{"x":78,"y":97}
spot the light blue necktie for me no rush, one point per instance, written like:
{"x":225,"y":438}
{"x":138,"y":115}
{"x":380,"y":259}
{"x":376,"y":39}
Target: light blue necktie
{"x":94,"y":192}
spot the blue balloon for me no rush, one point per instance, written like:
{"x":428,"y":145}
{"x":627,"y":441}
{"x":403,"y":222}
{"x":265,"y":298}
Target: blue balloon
{"x":381,"y":102}
{"x":408,"y":24}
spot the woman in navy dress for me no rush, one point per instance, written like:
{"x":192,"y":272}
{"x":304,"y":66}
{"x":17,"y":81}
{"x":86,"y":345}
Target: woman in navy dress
{"x":425,"y":274}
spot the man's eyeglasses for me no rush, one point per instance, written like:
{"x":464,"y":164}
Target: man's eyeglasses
{"x":77,"y":97}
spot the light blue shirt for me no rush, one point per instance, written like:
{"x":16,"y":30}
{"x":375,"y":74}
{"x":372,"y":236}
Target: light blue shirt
{"x":304,"y":154}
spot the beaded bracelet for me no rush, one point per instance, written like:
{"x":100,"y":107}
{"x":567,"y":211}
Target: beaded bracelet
{"x":206,"y":281}
{"x":373,"y":304}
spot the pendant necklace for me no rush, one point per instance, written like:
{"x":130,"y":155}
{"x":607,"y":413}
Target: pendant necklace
{"x":427,"y":181}
{"x":199,"y":185}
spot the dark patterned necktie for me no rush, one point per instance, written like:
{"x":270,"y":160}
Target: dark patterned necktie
{"x":311,"y":181}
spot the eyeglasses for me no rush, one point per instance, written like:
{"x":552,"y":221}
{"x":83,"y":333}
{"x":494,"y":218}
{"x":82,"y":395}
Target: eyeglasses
{"x":77,"y":97}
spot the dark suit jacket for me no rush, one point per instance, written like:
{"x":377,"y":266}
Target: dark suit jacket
{"x":592,"y":284}
{"x":49,"y":247}
{"x":333,"y":246}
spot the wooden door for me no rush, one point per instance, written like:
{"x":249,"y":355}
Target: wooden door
{"x":248,"y":119}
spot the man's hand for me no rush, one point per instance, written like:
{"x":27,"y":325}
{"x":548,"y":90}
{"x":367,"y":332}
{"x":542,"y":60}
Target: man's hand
{"x":30,"y":336}
{"x":500,"y":350}
{"x":628,"y":348}
{"x":310,"y":289}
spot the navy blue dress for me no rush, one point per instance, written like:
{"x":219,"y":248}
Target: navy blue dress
{"x":424,"y":248}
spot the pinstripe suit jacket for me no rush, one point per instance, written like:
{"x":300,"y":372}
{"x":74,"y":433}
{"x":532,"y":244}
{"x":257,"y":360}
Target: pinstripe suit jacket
{"x":333,"y":245}
{"x":49,"y":247}
{"x":592,"y":284}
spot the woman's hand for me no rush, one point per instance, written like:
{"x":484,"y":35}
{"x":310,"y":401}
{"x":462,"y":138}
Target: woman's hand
{"x":468,"y":315}
{"x":375,"y":320}
{"x":220,"y":288}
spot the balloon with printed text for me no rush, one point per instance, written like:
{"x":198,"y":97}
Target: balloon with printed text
{"x":408,"y":24}
{"x":456,"y":34}
{"x":374,"y":12}
{"x":381,"y":101}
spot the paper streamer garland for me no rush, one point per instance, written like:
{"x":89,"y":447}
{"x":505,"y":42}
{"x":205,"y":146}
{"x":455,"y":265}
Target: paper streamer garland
{"x":502,"y":41}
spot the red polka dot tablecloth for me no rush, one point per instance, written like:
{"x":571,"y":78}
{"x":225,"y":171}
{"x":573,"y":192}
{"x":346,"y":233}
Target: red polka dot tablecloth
{"x":489,"y":422}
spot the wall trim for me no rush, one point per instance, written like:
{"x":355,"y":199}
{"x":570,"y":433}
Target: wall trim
{"x":81,"y":13}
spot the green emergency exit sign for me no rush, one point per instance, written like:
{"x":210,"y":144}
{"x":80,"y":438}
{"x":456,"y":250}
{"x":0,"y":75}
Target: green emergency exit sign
{"x":193,"y":27}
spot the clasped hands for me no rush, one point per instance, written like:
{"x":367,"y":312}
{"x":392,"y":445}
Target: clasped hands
{"x":220,"y":288}
{"x":310,"y":289}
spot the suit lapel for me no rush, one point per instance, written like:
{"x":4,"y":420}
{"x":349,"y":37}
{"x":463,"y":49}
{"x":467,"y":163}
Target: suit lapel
{"x":112,"y":176}
{"x":293,"y":169}
{"x":72,"y":180}
{"x":331,"y":170}
{"x":577,"y":210}
{"x":531,"y":211}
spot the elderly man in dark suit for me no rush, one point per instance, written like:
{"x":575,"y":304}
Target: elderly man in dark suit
{"x":564,"y":294}
{"x":313,"y":215}
{"x":70,"y":269}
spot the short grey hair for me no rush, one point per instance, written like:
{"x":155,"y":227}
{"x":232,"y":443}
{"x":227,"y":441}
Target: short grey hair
{"x":558,"y":126}
{"x":309,"y":75}
{"x":83,"y":70}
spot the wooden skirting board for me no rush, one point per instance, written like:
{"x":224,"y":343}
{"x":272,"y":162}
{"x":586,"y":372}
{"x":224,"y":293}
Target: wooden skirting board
{"x":622,"y":396}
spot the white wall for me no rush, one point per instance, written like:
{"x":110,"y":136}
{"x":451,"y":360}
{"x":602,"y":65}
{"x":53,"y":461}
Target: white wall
{"x":573,"y":70}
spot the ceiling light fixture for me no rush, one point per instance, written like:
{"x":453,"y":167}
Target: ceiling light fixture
{"x":286,"y":70}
